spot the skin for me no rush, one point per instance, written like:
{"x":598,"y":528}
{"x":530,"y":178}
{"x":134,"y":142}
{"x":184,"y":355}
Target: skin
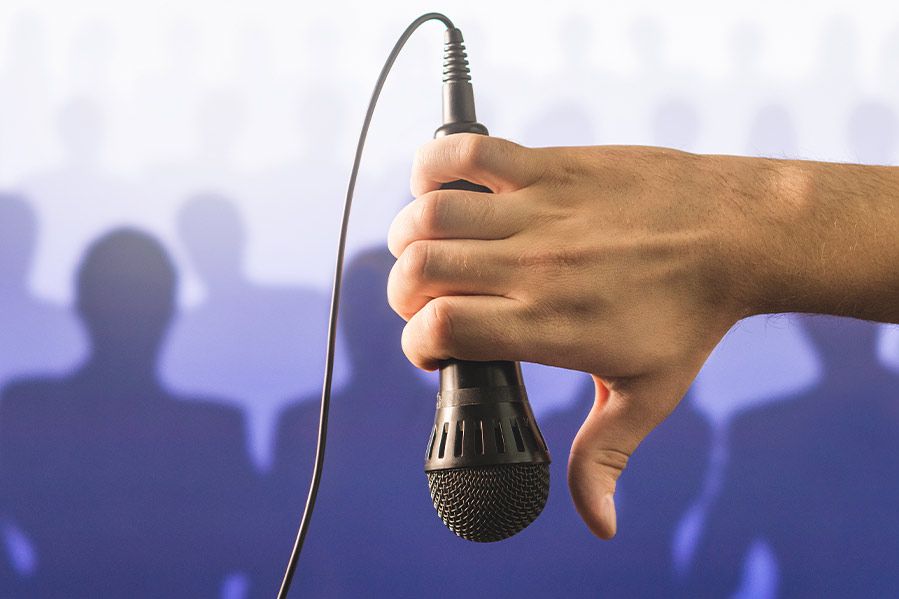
{"x":629,"y":263}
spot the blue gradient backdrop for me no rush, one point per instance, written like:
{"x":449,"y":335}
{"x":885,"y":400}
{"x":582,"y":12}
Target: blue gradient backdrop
{"x":171,"y":180}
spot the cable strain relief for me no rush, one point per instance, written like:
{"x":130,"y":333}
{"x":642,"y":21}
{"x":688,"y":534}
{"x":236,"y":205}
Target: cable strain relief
{"x":455,"y":61}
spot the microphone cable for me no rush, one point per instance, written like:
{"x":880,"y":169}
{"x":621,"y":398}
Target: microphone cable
{"x":335,"y":299}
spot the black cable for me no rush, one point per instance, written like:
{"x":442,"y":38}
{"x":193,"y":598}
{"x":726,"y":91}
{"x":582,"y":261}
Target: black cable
{"x":335,"y":297}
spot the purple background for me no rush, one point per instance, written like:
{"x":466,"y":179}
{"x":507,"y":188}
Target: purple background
{"x":170,"y":190}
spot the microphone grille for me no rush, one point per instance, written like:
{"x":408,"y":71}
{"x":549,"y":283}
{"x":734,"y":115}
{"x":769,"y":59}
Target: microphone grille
{"x":489,"y":503}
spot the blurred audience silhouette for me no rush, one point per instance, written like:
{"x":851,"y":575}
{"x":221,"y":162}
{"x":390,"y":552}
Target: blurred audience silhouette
{"x":374,"y":521}
{"x":37,"y":336}
{"x":111,"y":475}
{"x":254,"y":344}
{"x":814,"y":477}
{"x":77,"y":199}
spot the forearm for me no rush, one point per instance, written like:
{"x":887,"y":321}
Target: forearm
{"x":819,"y":237}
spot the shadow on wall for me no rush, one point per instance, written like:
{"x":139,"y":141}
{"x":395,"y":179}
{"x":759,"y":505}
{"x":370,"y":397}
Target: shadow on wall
{"x":37,"y":336}
{"x":77,"y":199}
{"x":813,"y":475}
{"x":105,"y":462}
{"x":374,"y":519}
{"x":256,"y":345}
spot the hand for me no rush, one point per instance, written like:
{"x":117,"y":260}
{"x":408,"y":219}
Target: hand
{"x":616,"y":261}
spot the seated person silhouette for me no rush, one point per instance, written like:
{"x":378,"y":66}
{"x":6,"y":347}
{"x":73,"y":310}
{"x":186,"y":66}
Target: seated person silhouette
{"x":374,"y":519}
{"x":125,"y":489}
{"x":814,"y":477}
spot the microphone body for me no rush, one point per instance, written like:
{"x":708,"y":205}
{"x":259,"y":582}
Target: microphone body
{"x":487,"y":462}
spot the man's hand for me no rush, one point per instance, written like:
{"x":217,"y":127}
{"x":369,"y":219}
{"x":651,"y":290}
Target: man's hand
{"x":628,"y":263}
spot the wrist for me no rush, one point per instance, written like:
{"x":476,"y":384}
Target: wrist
{"x":817,"y":237}
{"x":771,"y":205}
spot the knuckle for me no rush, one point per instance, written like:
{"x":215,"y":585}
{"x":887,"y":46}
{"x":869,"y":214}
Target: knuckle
{"x":430,"y":219}
{"x":607,"y":458}
{"x":411,"y":346}
{"x":471,"y":151}
{"x":482,"y":209}
{"x":609,"y":462}
{"x":395,"y":298}
{"x":440,"y":323}
{"x":398,"y":234}
{"x":416,"y":261}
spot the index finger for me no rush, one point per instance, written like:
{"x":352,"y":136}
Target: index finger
{"x":496,"y":163}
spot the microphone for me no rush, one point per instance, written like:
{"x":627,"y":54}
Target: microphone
{"x":487,"y":463}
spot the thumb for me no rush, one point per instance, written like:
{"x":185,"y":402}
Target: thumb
{"x":622,"y":415}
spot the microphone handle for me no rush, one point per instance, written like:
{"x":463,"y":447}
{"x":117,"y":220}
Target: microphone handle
{"x":463,"y":374}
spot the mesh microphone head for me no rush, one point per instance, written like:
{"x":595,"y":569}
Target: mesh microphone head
{"x":490,"y":503}
{"x":487,"y":463}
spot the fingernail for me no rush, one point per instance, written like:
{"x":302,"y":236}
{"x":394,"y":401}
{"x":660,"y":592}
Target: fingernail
{"x":608,"y":513}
